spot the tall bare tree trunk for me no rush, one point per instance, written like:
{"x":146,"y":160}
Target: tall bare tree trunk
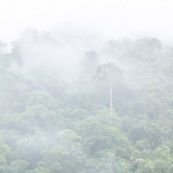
{"x":111,"y":106}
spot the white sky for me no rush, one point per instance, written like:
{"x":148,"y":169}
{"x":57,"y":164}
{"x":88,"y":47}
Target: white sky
{"x":110,"y":18}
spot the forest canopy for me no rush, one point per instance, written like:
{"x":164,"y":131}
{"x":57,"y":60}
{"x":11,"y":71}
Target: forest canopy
{"x":68,"y":106}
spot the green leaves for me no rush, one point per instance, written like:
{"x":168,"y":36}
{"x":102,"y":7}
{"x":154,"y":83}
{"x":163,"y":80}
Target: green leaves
{"x":116,"y":117}
{"x":109,"y":72}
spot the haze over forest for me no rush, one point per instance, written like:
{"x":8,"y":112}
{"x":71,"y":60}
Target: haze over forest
{"x":72,"y":103}
{"x":86,"y":87}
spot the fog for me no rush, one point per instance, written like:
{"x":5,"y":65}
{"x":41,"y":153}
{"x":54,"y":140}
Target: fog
{"x":111,"y":18}
{"x":86,"y":87}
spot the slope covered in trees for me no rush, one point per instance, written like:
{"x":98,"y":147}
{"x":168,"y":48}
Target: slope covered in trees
{"x":110,"y":111}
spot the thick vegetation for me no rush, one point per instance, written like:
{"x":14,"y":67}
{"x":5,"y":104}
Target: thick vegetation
{"x":115,"y":116}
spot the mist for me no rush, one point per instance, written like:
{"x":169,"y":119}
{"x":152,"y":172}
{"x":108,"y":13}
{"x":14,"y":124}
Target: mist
{"x":86,"y":87}
{"x":76,"y":102}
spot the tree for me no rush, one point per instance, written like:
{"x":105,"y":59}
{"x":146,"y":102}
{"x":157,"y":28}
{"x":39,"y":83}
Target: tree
{"x":112,"y":75}
{"x":18,"y":166}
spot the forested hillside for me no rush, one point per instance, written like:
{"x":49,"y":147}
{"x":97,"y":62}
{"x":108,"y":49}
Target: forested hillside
{"x":105,"y":110}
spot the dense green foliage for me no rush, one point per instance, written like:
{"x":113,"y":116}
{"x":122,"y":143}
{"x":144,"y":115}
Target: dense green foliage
{"x":51,"y":125}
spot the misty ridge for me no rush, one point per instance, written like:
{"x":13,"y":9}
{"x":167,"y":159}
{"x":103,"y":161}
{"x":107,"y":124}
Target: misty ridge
{"x":73,"y":102}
